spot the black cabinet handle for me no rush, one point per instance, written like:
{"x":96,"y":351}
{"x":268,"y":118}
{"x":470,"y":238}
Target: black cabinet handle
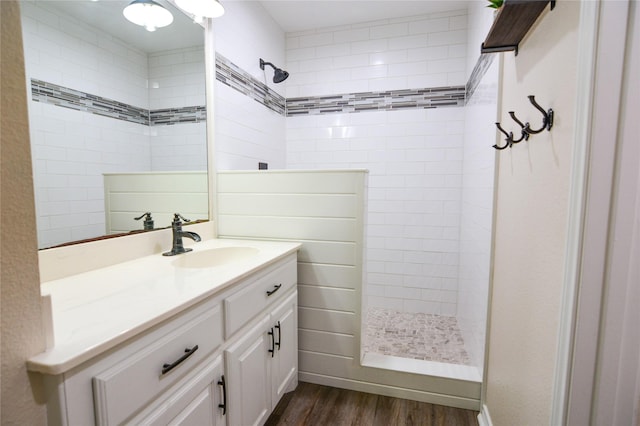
{"x":273,"y":343}
{"x":275,"y":288}
{"x":279,"y":335}
{"x":187,"y":353}
{"x":222,"y":383}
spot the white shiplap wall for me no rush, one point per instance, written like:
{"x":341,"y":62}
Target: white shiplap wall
{"x":129,"y":195}
{"x":325,"y":211}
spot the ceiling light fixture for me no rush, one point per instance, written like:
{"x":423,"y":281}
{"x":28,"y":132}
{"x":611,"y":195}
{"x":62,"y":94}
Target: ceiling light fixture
{"x":201,"y":9}
{"x":147,"y":14}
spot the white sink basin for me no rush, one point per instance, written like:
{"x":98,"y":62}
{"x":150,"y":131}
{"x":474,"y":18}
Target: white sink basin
{"x":214,"y":257}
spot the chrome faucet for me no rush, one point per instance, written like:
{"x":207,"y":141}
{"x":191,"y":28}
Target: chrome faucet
{"x":178,"y":233}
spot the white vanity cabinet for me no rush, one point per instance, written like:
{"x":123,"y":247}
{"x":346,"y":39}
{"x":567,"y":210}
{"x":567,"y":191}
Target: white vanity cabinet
{"x":225,"y":360}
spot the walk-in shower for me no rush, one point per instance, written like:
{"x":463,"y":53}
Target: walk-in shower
{"x":426,"y":142}
{"x":425,"y":295}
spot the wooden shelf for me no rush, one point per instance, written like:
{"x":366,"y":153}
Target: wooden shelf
{"x":513,"y":21}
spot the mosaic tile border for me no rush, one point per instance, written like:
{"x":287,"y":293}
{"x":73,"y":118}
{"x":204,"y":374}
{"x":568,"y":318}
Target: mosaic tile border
{"x":42,"y":91}
{"x":54,"y":94}
{"x":235,"y":77}
{"x":168,"y":116}
{"x":435,"y":97}
{"x":479,"y":70}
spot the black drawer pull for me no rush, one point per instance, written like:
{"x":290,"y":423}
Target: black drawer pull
{"x":187,"y":353}
{"x":275,"y":288}
{"x":222,"y":383}
{"x":273,"y":343}
{"x":279,"y":335}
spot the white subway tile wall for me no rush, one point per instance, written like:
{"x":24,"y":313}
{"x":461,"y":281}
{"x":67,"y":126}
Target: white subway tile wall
{"x":246,"y":33}
{"x":176,"y":78}
{"x":391,"y":54}
{"x":68,"y":167}
{"x":180,"y":147}
{"x":247,"y":132}
{"x":414,"y":156}
{"x":414,"y":196}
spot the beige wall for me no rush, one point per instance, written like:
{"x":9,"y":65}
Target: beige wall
{"x":22,"y":334}
{"x":531,"y":222}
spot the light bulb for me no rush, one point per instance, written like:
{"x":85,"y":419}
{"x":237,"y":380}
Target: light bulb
{"x":147,"y":14}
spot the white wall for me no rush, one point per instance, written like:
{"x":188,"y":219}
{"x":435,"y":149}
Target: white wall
{"x":21,"y":320}
{"x":531,"y":223}
{"x":414,"y":156}
{"x":246,"y":131}
{"x":477,"y":192}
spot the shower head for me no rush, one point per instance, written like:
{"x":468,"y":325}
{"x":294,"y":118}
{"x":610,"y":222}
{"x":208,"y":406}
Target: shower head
{"x":279,"y":75}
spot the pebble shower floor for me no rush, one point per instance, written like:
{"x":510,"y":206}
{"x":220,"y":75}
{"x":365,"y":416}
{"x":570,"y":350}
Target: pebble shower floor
{"x":415,"y":335}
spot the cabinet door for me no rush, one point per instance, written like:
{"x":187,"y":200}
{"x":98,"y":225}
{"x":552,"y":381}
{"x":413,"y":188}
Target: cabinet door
{"x":247,"y":377}
{"x":284,"y":371}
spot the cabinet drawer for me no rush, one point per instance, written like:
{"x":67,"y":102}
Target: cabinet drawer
{"x":129,"y":385}
{"x":240,"y":307}
{"x":200,"y":392}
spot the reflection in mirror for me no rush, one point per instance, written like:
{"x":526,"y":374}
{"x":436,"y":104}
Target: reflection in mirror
{"x":117,"y":119}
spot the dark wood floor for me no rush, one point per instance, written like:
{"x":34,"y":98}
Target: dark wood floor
{"x":320,"y":405}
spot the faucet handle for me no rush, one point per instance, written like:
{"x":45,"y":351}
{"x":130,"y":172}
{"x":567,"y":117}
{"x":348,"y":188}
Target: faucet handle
{"x":148,"y":221}
{"x":148,"y":214}
{"x":177,"y":217}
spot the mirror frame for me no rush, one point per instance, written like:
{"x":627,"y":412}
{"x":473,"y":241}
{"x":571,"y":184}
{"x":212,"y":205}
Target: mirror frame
{"x":210,"y":77}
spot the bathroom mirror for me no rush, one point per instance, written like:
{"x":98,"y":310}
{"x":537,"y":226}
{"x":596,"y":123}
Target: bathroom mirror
{"x":117,"y":119}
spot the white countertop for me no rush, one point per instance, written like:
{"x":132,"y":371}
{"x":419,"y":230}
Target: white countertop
{"x":94,"y":311}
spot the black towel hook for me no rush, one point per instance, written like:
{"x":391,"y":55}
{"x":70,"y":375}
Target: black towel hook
{"x":509,"y":138}
{"x":525,"y":135}
{"x":547,"y":118}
